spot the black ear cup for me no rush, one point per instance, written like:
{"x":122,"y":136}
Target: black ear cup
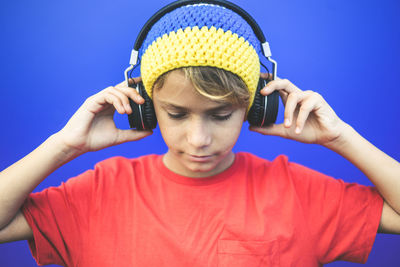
{"x":257,"y":113}
{"x":143,"y":117}
{"x":149,"y":114}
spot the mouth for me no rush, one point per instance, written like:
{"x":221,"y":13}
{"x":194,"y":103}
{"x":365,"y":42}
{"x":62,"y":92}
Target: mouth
{"x":200,"y":158}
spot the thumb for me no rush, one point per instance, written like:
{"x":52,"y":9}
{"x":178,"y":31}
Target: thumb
{"x":131,"y":135}
{"x":274,"y":129}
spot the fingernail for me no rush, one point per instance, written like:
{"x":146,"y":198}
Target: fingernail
{"x":297,"y":130}
{"x":127,"y":108}
{"x":287,"y":122}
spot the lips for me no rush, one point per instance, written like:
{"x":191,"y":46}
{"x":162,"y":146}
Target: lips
{"x":198,"y":158}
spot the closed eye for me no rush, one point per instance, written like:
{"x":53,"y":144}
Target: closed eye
{"x":176,"y":116}
{"x":222,"y":117}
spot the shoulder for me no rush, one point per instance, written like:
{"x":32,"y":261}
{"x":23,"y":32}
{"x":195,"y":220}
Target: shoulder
{"x":283,"y":172}
{"x":113,"y":171}
{"x":119,"y":163}
{"x":249,"y":158}
{"x":265,"y":173}
{"x":281,"y":164}
{"x":256,"y":163}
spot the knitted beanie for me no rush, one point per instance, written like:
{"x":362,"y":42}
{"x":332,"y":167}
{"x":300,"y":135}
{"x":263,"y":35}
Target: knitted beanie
{"x":201,"y":35}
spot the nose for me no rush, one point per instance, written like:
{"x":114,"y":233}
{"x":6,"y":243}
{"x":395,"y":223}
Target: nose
{"x":198,"y":133}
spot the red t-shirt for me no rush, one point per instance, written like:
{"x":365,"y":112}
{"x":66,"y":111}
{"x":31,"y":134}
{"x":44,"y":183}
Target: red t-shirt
{"x":136,"y":212}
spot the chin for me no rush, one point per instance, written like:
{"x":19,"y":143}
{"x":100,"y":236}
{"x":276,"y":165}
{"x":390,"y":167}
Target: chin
{"x":204,"y":169}
{"x":200,"y":170}
{"x":199,"y":167}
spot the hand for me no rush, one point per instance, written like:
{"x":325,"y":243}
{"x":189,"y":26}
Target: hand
{"x":92,"y":127}
{"x":308,"y":118}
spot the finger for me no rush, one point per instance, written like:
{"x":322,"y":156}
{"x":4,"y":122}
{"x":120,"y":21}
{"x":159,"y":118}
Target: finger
{"x":280,"y":84}
{"x":307,"y":106}
{"x":131,"y":81}
{"x":130,"y":91}
{"x":135,"y":80}
{"x":115,"y":101}
{"x":292,"y":103}
{"x":290,"y":106}
{"x":132,"y":94}
{"x":123,"y":99}
{"x":131,"y":135}
{"x":284,"y":97}
{"x":124,"y":93}
{"x":274,"y":129}
{"x":267,"y":76}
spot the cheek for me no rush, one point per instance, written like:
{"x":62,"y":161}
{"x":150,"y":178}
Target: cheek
{"x":170,"y":131}
{"x":229,"y":133}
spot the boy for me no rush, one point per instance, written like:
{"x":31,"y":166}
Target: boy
{"x":199,"y":204}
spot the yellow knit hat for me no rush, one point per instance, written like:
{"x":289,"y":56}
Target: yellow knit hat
{"x":201,"y":35}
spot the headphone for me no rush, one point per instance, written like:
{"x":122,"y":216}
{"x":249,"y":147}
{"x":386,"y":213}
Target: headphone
{"x":264,"y":109}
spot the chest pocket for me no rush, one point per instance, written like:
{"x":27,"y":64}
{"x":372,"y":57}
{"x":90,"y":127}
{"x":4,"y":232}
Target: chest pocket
{"x":234,"y":253}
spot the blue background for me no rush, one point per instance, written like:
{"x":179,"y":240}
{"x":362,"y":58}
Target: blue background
{"x":54,"y":54}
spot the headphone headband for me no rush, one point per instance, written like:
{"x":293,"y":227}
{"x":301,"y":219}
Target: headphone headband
{"x":228,"y":52}
{"x":174,"y":5}
{"x":179,"y":3}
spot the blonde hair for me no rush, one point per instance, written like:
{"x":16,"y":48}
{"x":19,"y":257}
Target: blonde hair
{"x":214,"y":83}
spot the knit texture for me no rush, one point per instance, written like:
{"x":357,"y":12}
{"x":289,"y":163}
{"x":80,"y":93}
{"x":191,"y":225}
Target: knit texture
{"x":201,"y":35}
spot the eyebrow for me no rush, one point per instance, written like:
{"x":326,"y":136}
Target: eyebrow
{"x":181,"y":108}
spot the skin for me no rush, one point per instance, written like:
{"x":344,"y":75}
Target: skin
{"x":199,"y":133}
{"x":308,"y":118}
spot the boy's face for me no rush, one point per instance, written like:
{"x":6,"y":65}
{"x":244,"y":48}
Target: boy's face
{"x":200,"y":133}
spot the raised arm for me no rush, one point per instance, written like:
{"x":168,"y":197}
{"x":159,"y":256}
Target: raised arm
{"x":308,"y":118}
{"x":91,"y":128}
{"x":381,"y":169}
